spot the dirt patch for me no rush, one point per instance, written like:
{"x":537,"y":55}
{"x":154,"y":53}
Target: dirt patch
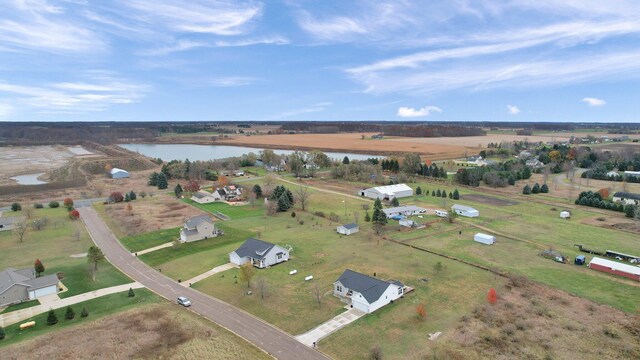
{"x":20,"y":160}
{"x":149,"y":214}
{"x":150,"y":333}
{"x":489,"y":200}
{"x":531,"y":321}
{"x":613,"y":223}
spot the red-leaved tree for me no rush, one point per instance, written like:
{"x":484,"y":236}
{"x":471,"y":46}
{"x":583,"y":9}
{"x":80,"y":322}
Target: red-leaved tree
{"x":492,"y":296}
{"x":116,"y":197}
{"x":74,"y":214}
{"x":68,"y":203}
{"x":38,"y":267}
{"x":604,"y":193}
{"x":421,"y":311}
{"x":192,"y":186}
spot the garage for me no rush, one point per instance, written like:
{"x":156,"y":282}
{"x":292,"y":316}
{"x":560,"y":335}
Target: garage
{"x":49,"y":290}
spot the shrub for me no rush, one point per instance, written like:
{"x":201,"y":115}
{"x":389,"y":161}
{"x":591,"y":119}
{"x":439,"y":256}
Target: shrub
{"x":116,"y":197}
{"x":535,"y":189}
{"x":526,"y":190}
{"x":52,"y":318}
{"x":375,"y":353}
{"x":84,"y":312}
{"x":544,"y":189}
{"x":293,"y":214}
{"x":492,"y":296}
{"x":74,"y":214}
{"x":319,"y":214}
{"x":16,"y":206}
{"x":38,"y":206}
{"x":69,"y":314}
{"x":131,"y":293}
{"x":54,"y":204}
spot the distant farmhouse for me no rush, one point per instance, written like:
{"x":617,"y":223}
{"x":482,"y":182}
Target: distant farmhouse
{"x":626,"y":198}
{"x":260,"y":254}
{"x":388,"y":192}
{"x":465,"y":211}
{"x":9,"y":223}
{"x":366,"y":293}
{"x":227,"y":193}
{"x":405,"y":210}
{"x":198,"y":228}
{"x":119,"y":173}
{"x":348,"y":229}
{"x":534,"y":163}
{"x":21,"y":285}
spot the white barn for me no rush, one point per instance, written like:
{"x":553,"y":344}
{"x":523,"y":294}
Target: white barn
{"x":119,"y":173}
{"x":259,"y":253}
{"x":484,"y":238}
{"x":388,"y":192}
{"x":348,"y":229}
{"x":366,"y":293}
{"x":405,"y":210}
{"x":465,"y":211}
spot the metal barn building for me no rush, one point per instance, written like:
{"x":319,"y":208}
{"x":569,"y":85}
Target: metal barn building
{"x":388,"y":192}
{"x":616,"y":268}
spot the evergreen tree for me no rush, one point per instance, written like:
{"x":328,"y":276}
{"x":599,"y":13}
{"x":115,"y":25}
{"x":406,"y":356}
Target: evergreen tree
{"x":444,"y":194}
{"x":443,"y":173}
{"x":526,"y":173}
{"x":52,"y":318}
{"x":132,"y":195}
{"x":127,"y":198}
{"x":367,"y":218}
{"x":345,"y":160}
{"x":257,"y":190}
{"x":433,"y":192}
{"x":544,"y":189}
{"x":2,"y":333}
{"x":629,"y":211}
{"x":84,"y":312}
{"x":511,"y":180}
{"x":426,"y":192}
{"x":418,"y":191}
{"x":438,"y":193}
{"x":395,"y":202}
{"x":165,"y":170}
{"x":178,"y":191}
{"x":450,"y":195}
{"x":162,"y":181}
{"x":153,"y":179}
{"x":456,"y":194}
{"x":69,"y":314}
{"x":131,"y":293}
{"x":526,"y":190}
{"x":283,"y":203}
{"x":289,"y":195}
{"x":535,"y":189}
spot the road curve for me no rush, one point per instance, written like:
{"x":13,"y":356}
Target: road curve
{"x":272,"y":340}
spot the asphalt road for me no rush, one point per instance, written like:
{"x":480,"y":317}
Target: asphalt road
{"x":263,"y":335}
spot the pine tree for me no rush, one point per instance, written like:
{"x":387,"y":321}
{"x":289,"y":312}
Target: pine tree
{"x":535,"y":189}
{"x":127,"y":198}
{"x":526,"y":190}
{"x":395,"y":202}
{"x":131,"y":293}
{"x":84,"y":312}
{"x":283,"y":203}
{"x":433,"y":192}
{"x":544,"y":189}
{"x":444,"y":194}
{"x":153,"y":179}
{"x":162,"y":181}
{"x":438,"y":193}
{"x":52,"y":318}
{"x":132,"y":195}
{"x":257,"y":190}
{"x":367,"y":218}
{"x":456,"y":194}
{"x":450,"y":195}
{"x":69,"y":314}
{"x":178,"y":191}
{"x":345,"y":160}
{"x":418,"y":191}
{"x":2,"y":333}
{"x":511,"y":180}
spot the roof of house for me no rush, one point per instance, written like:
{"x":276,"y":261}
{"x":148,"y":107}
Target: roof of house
{"x":616,"y":265}
{"x":194,"y":221}
{"x":201,"y":194}
{"x":463,"y":208}
{"x":10,"y":220}
{"x":115,"y":170}
{"x":254,"y":248}
{"x":350,"y":226}
{"x":627,"y":195}
{"x":25,"y":277}
{"x":391,"y":189}
{"x":221,"y":192}
{"x":371,"y":288}
{"x":43,"y":281}
{"x":632,"y":172}
{"x":402,"y":208}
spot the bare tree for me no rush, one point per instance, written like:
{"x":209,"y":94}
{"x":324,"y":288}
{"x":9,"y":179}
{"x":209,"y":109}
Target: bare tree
{"x":546,"y":170}
{"x":317,"y":293}
{"x":263,"y":287}
{"x":365,"y":207}
{"x":356,"y":217}
{"x":269,"y":180}
{"x":37,"y":224}
{"x":28,"y":213}
{"x":246,"y":273}
{"x":20,"y":229}
{"x":302,"y":195}
{"x":271,"y":207}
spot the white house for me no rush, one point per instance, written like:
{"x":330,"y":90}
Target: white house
{"x":9,"y":223}
{"x":405,"y":210}
{"x":626,"y":198}
{"x":203,"y":197}
{"x":348,"y":229}
{"x":260,"y":253}
{"x":366,"y":293}
{"x":198,"y":228}
{"x":534,"y":163}
{"x":484,"y":238}
{"x":388,"y":192}
{"x":21,"y":285}
{"x":119,"y":173}
{"x":632,"y":174}
{"x":226,"y":193}
{"x":238,"y":173}
{"x":465,"y":211}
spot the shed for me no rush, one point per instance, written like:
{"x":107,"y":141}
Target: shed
{"x":465,"y":211}
{"x":348,"y":229}
{"x":565,"y":214}
{"x":484,"y":238}
{"x":119,"y":173}
{"x":406,"y":222}
{"x":616,"y":268}
{"x":9,"y":223}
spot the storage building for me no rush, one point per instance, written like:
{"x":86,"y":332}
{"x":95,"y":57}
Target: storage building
{"x":484,"y":238}
{"x":465,"y":211}
{"x":388,"y":192}
{"x":119,"y":173}
{"x":616,"y":268}
{"x":348,"y":229}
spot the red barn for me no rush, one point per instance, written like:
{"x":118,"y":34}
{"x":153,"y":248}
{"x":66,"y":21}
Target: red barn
{"x":616,"y":268}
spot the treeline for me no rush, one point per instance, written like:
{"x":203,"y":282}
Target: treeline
{"x":499,"y":175}
{"x":432,"y":131}
{"x":595,"y":199}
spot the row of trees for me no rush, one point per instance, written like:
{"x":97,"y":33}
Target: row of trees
{"x":595,"y":199}
{"x":158,"y":179}
{"x":499,"y":175}
{"x":536,"y":189}
{"x":455,"y":195}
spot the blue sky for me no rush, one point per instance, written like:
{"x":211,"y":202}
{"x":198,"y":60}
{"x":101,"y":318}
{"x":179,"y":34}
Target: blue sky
{"x":439,"y":60}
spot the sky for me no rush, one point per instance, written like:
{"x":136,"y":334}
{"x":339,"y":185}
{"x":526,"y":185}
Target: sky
{"x":432,"y":60}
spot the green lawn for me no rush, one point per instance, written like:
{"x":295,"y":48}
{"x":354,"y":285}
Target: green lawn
{"x":234,"y":212}
{"x":148,"y":240}
{"x":97,"y":308}
{"x":20,"y":306}
{"x":78,"y":279}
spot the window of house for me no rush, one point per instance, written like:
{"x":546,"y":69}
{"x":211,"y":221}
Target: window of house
{"x":399,"y":291}
{"x":339,"y":288}
{"x":279,"y":256}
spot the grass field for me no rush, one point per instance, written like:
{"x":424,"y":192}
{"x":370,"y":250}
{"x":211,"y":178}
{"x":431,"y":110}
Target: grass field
{"x":234,"y":212}
{"x":20,"y":306}
{"x":148,"y":240}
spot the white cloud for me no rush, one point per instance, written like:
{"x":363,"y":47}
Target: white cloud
{"x":594,"y":101}
{"x":331,"y":29}
{"x":305,"y":110}
{"x":513,"y":110}
{"x":408,"y":112}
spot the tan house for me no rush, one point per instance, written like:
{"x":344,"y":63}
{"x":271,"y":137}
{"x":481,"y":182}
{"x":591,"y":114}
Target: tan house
{"x":203,"y":197}
{"x":21,"y":285}
{"x":198,"y":228}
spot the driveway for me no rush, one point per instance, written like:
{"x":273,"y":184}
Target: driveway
{"x":265,"y":336}
{"x":331,"y":326}
{"x":215,"y":270}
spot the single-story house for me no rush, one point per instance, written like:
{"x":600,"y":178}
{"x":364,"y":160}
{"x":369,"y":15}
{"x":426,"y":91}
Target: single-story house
{"x":366,"y":293}
{"x":616,"y":268}
{"x":226,"y":193}
{"x":198,"y":228}
{"x":484,"y":238}
{"x":534,"y":163}
{"x":405,"y":210}
{"x":9,"y":223}
{"x":21,"y":285}
{"x":260,"y":253}
{"x":119,"y":173}
{"x":348,"y":229}
{"x":626,"y":198}
{"x":238,"y":173}
{"x":388,"y":192}
{"x":465,"y":211}
{"x":614,"y":174}
{"x":203,"y":197}
{"x":632,"y":174}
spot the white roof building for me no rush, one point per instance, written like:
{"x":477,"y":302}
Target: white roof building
{"x":388,"y":192}
{"x":119,"y":173}
{"x":465,"y":210}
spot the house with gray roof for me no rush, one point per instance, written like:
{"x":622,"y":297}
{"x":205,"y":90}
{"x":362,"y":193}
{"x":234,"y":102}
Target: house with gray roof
{"x":367,"y":293}
{"x":348,"y":229}
{"x":260,"y":254}
{"x":198,"y":228}
{"x":626,"y":198}
{"x":21,"y":285}
{"x":404,"y":210}
{"x":9,"y":223}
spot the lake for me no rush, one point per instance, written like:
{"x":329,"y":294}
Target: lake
{"x":29,"y":179}
{"x":193,"y":152}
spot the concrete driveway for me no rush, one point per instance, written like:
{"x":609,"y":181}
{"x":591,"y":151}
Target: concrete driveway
{"x":331,"y":326}
{"x":215,"y":270}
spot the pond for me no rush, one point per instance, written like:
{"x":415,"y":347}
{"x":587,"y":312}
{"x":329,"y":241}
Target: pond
{"x":29,"y":179}
{"x":193,"y":152}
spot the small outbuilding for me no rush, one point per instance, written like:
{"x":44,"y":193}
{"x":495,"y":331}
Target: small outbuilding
{"x":484,"y":238}
{"x":119,"y":173}
{"x":467,"y":211}
{"x":565,"y":214}
{"x":9,"y":223}
{"x":203,"y":197}
{"x":616,"y":268}
{"x":406,"y":223}
{"x":348,"y":229}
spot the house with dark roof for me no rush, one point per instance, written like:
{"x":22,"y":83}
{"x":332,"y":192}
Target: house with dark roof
{"x":626,"y":198}
{"x":198,"y":228}
{"x":260,"y":254}
{"x":366,"y":293}
{"x":348,"y":229}
{"x":21,"y":285}
{"x":9,"y":223}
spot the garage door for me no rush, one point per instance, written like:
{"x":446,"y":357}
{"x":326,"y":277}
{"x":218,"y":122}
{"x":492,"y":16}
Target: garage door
{"x":34,"y":294}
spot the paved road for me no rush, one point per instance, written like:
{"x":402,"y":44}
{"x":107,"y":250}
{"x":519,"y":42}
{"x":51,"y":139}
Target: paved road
{"x":263,"y":335}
